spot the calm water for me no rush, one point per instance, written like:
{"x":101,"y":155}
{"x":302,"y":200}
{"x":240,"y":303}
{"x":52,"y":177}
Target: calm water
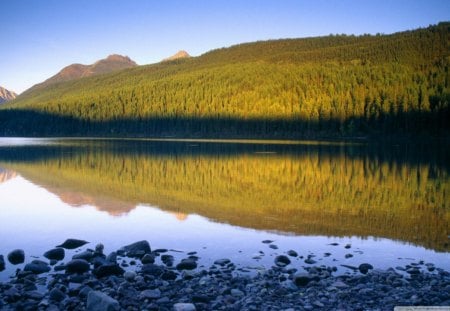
{"x":222,"y":198}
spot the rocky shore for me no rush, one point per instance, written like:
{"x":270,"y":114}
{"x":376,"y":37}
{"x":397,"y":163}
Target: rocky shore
{"x":135,"y":277}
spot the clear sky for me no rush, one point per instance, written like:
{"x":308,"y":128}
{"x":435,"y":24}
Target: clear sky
{"x":40,"y":37}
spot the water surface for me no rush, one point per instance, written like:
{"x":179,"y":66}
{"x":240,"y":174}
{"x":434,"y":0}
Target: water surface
{"x":222,"y":198}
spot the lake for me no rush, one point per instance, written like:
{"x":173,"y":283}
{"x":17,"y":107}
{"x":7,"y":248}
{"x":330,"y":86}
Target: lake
{"x":387,"y":205}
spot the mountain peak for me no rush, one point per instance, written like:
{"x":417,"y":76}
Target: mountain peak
{"x":6,"y":95}
{"x":111,"y":63}
{"x":177,"y":55}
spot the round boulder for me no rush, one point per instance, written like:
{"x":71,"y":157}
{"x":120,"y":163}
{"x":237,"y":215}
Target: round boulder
{"x":16,"y":257}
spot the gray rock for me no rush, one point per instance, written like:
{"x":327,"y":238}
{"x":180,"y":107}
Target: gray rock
{"x":129,"y":276}
{"x":99,"y":248}
{"x":108,"y":270}
{"x":148,"y":258}
{"x":72,"y":243}
{"x":112,"y":257}
{"x":2,"y":263}
{"x":237,"y":293}
{"x":56,"y":295}
{"x":137,"y":249}
{"x":365,"y":267}
{"x":37,"y":267}
{"x":292,"y":253}
{"x":187,"y":264}
{"x":55,"y":254}
{"x":77,"y":266}
{"x":184,"y":307}
{"x":282,"y":261}
{"x":348,"y":256}
{"x":222,"y":262}
{"x":16,"y":257}
{"x":98,"y":301}
{"x":302,"y":279}
{"x":150,"y":294}
{"x":310,"y":261}
{"x":267,"y":241}
{"x":86,"y":255}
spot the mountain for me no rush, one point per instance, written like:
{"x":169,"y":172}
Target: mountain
{"x":337,"y":85}
{"x":178,"y":55}
{"x":112,"y":63}
{"x":6,"y":95}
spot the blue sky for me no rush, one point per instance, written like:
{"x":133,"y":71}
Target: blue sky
{"x":40,"y":37}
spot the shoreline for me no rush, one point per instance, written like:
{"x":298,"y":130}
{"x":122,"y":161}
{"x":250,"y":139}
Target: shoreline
{"x":135,"y":277}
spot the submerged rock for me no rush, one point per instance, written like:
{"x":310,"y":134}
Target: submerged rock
{"x":77,"y":266}
{"x":137,"y":249}
{"x":37,"y":267}
{"x":282,"y":261}
{"x":107,"y":270}
{"x":365,"y":267}
{"x":187,"y":264}
{"x":292,"y":253}
{"x":72,"y":243}
{"x":55,"y":254}
{"x":16,"y":257}
{"x":98,"y":301}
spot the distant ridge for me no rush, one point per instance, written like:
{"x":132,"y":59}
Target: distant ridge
{"x":6,"y":95}
{"x":178,"y":55}
{"x":112,"y":63}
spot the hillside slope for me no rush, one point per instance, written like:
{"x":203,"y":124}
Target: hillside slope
{"x":337,"y":85}
{"x":6,"y":95}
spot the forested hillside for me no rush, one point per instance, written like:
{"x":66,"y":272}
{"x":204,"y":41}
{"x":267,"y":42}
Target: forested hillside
{"x":336,"y":85}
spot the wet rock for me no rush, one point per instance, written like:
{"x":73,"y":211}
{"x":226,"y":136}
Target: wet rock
{"x":282,"y":261}
{"x":37,"y":267}
{"x":160,"y":250}
{"x":152,"y":269}
{"x":148,"y":258}
{"x":237,"y":293}
{"x":167,"y":260}
{"x":222,"y":262}
{"x":56,"y":295}
{"x":2,"y":263}
{"x":184,"y":307}
{"x":310,"y":261}
{"x":16,"y":257}
{"x":302,"y":279}
{"x":98,"y":301}
{"x":86,"y":255}
{"x":187,"y":264}
{"x":169,"y":275}
{"x":108,"y":270}
{"x":267,"y":241}
{"x":348,"y":255}
{"x":348,"y":246}
{"x":273,"y":246}
{"x":292,"y":253}
{"x":112,"y":257}
{"x":55,"y":254}
{"x":334,"y":244}
{"x":72,"y":243}
{"x":150,"y":294}
{"x":129,"y":276}
{"x":365,"y":267}
{"x":99,"y":248}
{"x":137,"y":249}
{"x":77,"y":266}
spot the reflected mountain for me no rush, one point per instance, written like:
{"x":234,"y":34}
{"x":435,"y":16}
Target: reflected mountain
{"x":395,"y":192}
{"x":6,"y":175}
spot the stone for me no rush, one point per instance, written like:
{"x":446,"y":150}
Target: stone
{"x":292,"y":253}
{"x":150,"y":294}
{"x":77,"y":266}
{"x":184,"y":307}
{"x":348,"y":255}
{"x":152,"y":269}
{"x":37,"y":267}
{"x":267,"y":241}
{"x":310,"y":261}
{"x":348,"y":246}
{"x":237,"y":293}
{"x":365,"y":267}
{"x":187,"y":264}
{"x":169,"y":275}
{"x":98,"y":301}
{"x":16,"y":257}
{"x":112,"y":257}
{"x":282,"y":261}
{"x":148,"y":258}
{"x":55,"y":254}
{"x":273,"y":246}
{"x":339,"y":285}
{"x":99,"y":248}
{"x":86,"y":255}
{"x":302,"y":279}
{"x":2,"y":263}
{"x":72,"y":243}
{"x":222,"y":262}
{"x":56,"y":295}
{"x":129,"y":276}
{"x":108,"y":270}
{"x":137,"y":249}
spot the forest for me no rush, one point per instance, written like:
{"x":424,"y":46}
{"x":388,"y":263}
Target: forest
{"x":331,"y":86}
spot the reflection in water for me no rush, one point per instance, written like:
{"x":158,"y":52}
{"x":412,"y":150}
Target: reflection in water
{"x":6,"y":175}
{"x":312,"y":189}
